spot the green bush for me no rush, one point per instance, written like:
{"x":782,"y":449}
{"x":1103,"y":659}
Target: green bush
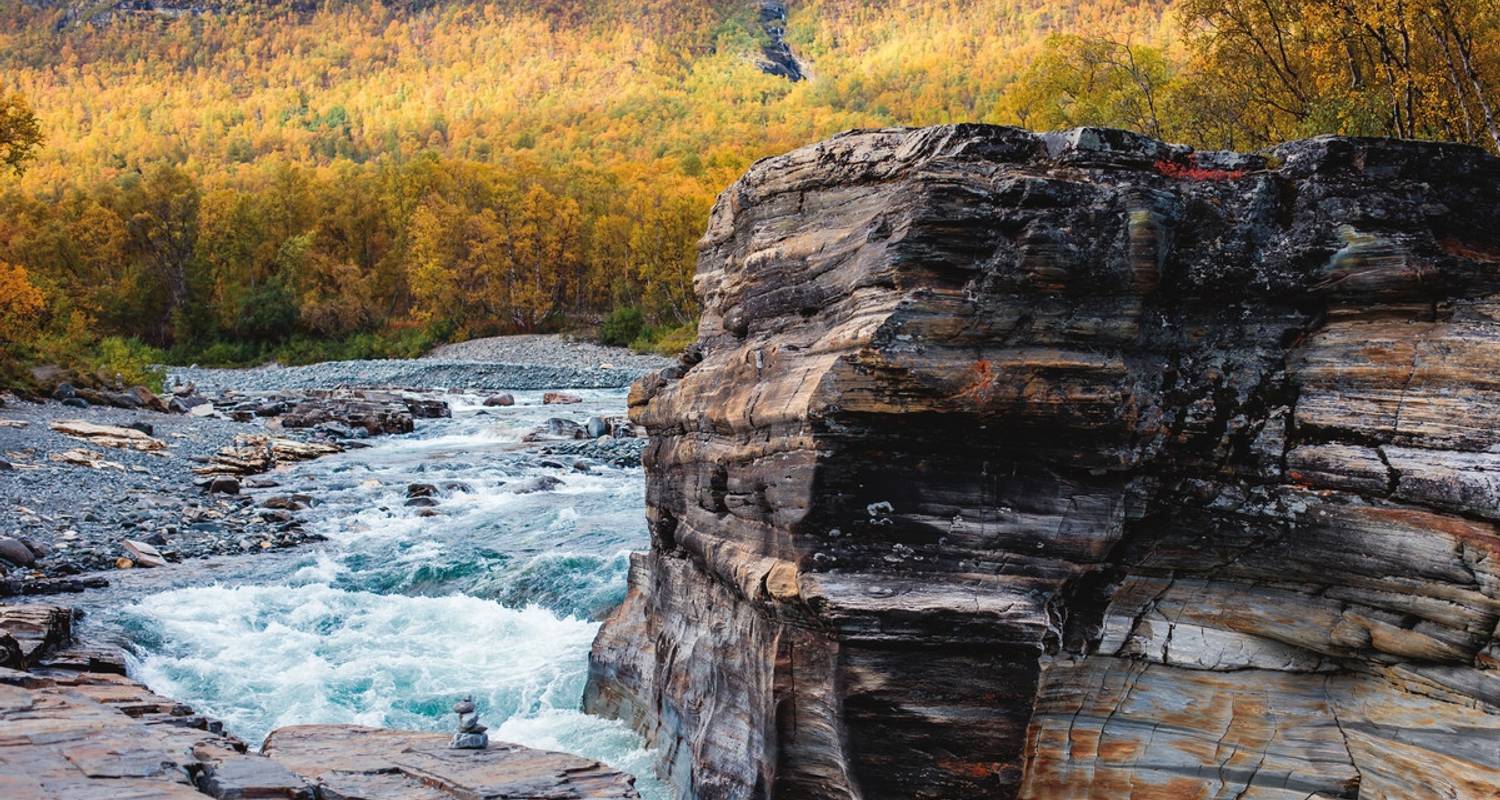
{"x":622,"y":327}
{"x":266,"y":313}
{"x":666,"y":341}
{"x":135,"y":362}
{"x":217,"y":354}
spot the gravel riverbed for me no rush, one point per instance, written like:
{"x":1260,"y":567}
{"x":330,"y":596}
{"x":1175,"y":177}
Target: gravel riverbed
{"x":506,"y":362}
{"x":81,"y":516}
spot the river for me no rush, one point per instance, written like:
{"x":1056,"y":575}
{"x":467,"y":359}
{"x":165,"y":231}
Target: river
{"x":397,"y":615}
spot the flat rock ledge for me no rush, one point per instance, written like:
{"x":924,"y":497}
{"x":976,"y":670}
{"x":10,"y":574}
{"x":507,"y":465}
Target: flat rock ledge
{"x":348,"y":761}
{"x":73,"y":726}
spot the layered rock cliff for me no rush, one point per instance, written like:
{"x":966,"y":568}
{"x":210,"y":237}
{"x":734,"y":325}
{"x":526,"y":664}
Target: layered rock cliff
{"x":1078,"y":466}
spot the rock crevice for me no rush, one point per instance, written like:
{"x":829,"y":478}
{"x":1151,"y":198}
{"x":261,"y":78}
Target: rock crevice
{"x":1077,"y":465}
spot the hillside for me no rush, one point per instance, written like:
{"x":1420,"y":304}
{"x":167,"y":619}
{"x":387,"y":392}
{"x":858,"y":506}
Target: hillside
{"x":240,"y":174}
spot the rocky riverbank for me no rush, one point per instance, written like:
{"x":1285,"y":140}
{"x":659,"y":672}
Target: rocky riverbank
{"x":205,"y":484}
{"x":72,"y":725}
{"x":76,"y":514}
{"x":516,"y":363}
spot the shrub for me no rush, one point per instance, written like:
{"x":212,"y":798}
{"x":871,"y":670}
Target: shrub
{"x":137,"y":363}
{"x":218,"y":354}
{"x":622,"y":327}
{"x":666,"y":341}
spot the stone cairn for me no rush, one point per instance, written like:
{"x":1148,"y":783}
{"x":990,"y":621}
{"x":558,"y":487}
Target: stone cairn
{"x":471,"y":734}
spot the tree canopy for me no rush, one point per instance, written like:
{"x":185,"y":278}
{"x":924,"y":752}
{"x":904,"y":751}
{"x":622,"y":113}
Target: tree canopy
{"x":453,"y":169}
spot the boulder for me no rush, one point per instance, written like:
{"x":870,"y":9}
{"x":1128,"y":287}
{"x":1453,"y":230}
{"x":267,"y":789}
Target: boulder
{"x":502,"y":399}
{"x":16,"y":552}
{"x":223,"y":484}
{"x":1077,"y":465}
{"x":560,"y":398}
{"x":145,"y":398}
{"x":144,"y":555}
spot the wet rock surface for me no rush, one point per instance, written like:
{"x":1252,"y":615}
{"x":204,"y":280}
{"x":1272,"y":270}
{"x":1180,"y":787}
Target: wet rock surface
{"x":73,"y":726}
{"x":358,"y":762}
{"x":1077,"y":465}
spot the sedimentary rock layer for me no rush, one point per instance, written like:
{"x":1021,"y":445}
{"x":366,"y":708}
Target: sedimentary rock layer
{"x":1078,"y":465}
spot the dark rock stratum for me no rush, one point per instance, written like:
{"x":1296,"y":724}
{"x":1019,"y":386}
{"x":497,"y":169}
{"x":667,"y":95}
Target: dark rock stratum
{"x":1078,"y":466}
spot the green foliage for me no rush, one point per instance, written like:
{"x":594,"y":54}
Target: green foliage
{"x":136,"y":363}
{"x":666,"y":341}
{"x":302,"y":349}
{"x":268,"y":313}
{"x":622,"y":327}
{"x":20,"y":132}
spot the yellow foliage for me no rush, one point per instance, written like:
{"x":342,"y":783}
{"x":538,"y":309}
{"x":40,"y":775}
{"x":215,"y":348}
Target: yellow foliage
{"x":491,"y":166}
{"x":21,"y":305}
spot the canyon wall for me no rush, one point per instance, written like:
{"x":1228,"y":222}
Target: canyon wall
{"x":1078,"y":466}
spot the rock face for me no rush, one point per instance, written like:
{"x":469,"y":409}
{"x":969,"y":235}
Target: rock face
{"x":1078,"y":466}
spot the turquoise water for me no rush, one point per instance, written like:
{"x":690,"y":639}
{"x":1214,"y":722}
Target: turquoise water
{"x":397,"y":615}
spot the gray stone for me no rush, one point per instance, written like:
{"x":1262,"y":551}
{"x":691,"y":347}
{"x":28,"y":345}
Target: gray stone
{"x":502,"y":399}
{"x":469,"y":741}
{"x":16,"y":552}
{"x":144,"y":555}
{"x":243,"y":777}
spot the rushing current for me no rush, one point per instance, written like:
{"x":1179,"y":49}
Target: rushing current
{"x":397,"y":615}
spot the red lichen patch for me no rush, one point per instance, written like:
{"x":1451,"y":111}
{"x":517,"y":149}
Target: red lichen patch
{"x":977,"y":770}
{"x":1469,"y":250}
{"x":1192,"y":172}
{"x":981,"y":386}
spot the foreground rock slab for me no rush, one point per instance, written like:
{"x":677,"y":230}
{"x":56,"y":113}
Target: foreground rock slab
{"x":74,"y":727}
{"x":346,"y":761}
{"x":1078,"y":466}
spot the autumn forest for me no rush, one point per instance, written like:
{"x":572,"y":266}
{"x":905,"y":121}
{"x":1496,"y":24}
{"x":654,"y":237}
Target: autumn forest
{"x":246,"y":180}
